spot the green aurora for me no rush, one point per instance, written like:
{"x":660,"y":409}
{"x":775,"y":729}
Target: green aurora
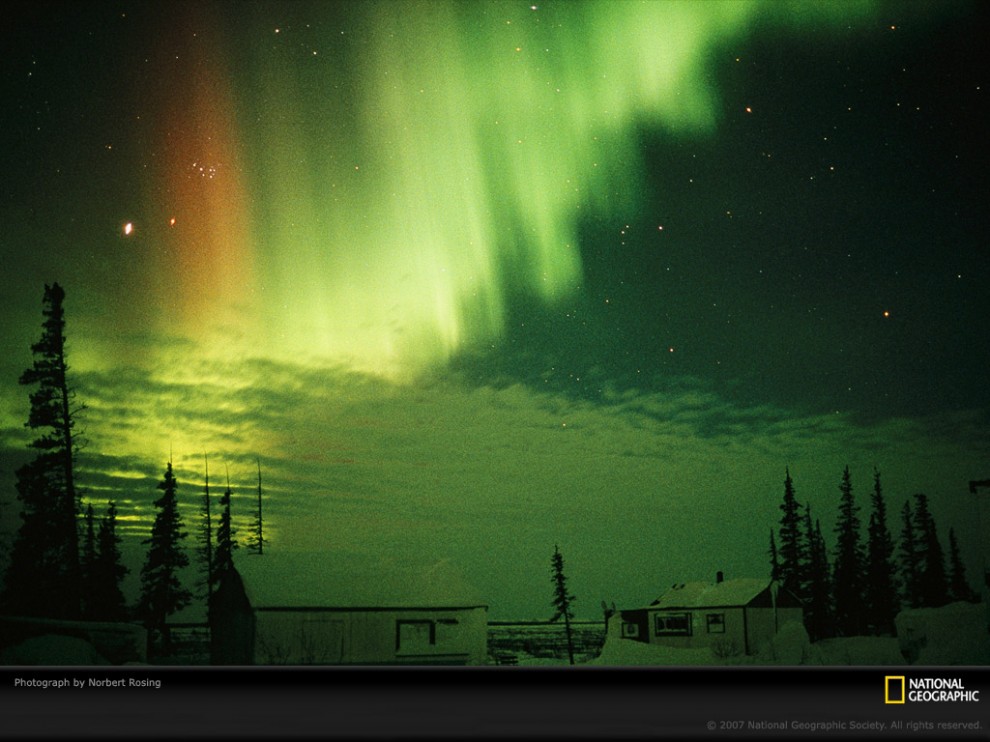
{"x":452,"y":271}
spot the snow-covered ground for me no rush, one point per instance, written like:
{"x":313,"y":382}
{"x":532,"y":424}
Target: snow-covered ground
{"x":955,"y":634}
{"x":536,"y":643}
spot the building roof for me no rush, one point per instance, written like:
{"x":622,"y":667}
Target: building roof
{"x":729,"y":593}
{"x":330,"y":580}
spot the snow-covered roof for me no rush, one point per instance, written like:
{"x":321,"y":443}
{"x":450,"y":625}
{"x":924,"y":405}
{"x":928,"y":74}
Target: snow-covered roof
{"x":330,"y":580}
{"x":723,"y":594}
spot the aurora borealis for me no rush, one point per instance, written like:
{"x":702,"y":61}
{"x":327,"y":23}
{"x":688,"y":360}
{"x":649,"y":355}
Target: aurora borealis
{"x":476,"y":278}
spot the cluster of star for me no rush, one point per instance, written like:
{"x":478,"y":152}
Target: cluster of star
{"x":204,"y":170}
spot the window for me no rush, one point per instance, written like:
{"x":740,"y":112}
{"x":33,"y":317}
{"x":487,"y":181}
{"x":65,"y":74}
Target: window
{"x":445,"y":630}
{"x":415,"y":636}
{"x":716,"y":623}
{"x":672,"y":624}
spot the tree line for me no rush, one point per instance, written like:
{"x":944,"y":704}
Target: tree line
{"x":66,"y":565}
{"x":866,"y":583}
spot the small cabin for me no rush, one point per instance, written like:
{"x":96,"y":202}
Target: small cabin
{"x":311,"y":609}
{"x":734,"y":616}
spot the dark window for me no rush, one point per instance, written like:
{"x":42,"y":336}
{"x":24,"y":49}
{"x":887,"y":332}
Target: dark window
{"x":716,"y":623}
{"x":412,"y":636}
{"x":672,"y":624}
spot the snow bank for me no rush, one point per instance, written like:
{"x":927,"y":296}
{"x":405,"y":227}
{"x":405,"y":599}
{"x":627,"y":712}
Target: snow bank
{"x":52,"y":649}
{"x":856,"y":650}
{"x":115,"y":642}
{"x":627,"y":653}
{"x":955,"y":634}
{"x":790,"y":646}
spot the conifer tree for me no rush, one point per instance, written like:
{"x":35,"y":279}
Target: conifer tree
{"x":562,"y":599}
{"x":909,"y":559}
{"x":256,"y":539}
{"x":933,"y":585}
{"x":818,"y":602}
{"x":792,"y":551}
{"x":226,"y":542}
{"x":44,"y":577}
{"x":847,"y":572}
{"x":162,"y":592}
{"x":109,"y":572}
{"x":959,"y":588}
{"x":881,"y":589}
{"x":88,"y":566}
{"x":774,"y":559}
{"x":206,"y":551}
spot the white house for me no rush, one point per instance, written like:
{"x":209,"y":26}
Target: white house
{"x":309,"y":608}
{"x":735,"y":616}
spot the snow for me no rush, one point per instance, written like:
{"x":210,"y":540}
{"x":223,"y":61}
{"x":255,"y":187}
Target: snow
{"x":856,"y":650}
{"x":739,"y":591}
{"x":628,"y":653}
{"x":311,"y":579}
{"x":955,"y":634}
{"x":52,"y":649}
{"x":790,"y":646}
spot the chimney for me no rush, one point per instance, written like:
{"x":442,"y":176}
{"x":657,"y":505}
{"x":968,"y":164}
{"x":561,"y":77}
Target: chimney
{"x":719,"y":577}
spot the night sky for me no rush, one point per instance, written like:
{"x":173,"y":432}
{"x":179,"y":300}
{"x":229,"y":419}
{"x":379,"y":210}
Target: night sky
{"x":476,"y":279}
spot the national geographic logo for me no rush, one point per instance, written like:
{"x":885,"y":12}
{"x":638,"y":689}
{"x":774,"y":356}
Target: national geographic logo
{"x":900,"y":689}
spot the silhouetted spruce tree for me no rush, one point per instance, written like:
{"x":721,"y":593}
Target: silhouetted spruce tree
{"x":206,"y":538}
{"x":108,"y":572}
{"x":44,"y":577}
{"x":908,"y":559}
{"x":88,"y":565}
{"x":256,"y":539}
{"x":881,"y":589}
{"x":848,"y":564}
{"x":774,"y":559}
{"x":162,"y":592}
{"x":226,"y":543}
{"x":791,"y":550}
{"x":562,"y":599}
{"x":933,"y":585}
{"x":959,"y":588}
{"x":817,"y":589}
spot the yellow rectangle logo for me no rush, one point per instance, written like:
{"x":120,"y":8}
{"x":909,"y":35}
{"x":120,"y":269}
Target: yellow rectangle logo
{"x":893,"y":689}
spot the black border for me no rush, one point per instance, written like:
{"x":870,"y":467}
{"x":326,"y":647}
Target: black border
{"x":482,"y":703}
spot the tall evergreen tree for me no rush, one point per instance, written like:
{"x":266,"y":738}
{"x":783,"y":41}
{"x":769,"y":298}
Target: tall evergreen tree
{"x":256,"y":539}
{"x":909,"y":565}
{"x":774,"y":559}
{"x":959,"y":588}
{"x":881,"y":589}
{"x":88,"y":565}
{"x":109,"y":572}
{"x":226,"y":541}
{"x":562,"y":599}
{"x":206,"y":550}
{"x":933,"y":585}
{"x":44,"y":575}
{"x":792,"y":550}
{"x":847,"y":571}
{"x":818,"y":601}
{"x":162,"y":592}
